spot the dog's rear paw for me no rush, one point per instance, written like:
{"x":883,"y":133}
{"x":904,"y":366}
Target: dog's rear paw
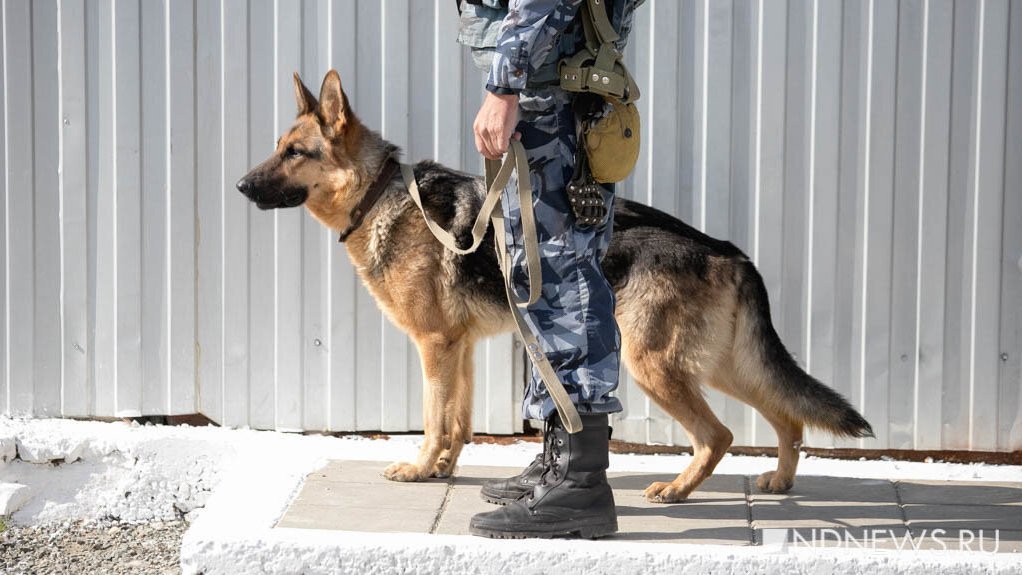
{"x":771,"y":482}
{"x":403,"y":472}
{"x":664,"y":492}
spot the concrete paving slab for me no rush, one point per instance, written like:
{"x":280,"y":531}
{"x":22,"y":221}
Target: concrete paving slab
{"x":960,"y":493}
{"x":725,"y":510}
{"x":723,"y":488}
{"x":359,"y":472}
{"x":830,"y":491}
{"x":874,"y":537}
{"x":969,"y":517}
{"x":369,"y":519}
{"x":791,"y":516}
{"x":462,"y":503}
{"x":690,"y":522}
{"x":476,"y":474}
{"x":974,"y":540}
{"x":354,"y":496}
{"x":385,"y":495}
{"x":817,"y":503}
{"x":716,"y":513}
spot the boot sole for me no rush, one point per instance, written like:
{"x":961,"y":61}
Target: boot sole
{"x":502,"y":501}
{"x":581,"y":531}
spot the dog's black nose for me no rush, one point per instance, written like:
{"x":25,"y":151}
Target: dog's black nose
{"x":244,"y":186}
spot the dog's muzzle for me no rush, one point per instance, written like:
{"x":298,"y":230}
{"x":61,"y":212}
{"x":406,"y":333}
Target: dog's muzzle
{"x":275,"y":197}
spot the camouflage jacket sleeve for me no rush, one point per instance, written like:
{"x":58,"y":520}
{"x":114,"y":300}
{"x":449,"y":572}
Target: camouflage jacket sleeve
{"x":528,"y":34}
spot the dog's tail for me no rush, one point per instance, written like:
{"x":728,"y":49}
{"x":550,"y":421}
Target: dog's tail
{"x":785,"y":386}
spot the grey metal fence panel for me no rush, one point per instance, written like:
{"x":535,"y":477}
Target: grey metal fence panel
{"x":864,"y":153}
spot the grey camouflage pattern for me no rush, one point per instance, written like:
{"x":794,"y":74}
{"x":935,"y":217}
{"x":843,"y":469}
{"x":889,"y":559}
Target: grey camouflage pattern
{"x":520,"y":47}
{"x":527,"y":41}
{"x":574,"y":317}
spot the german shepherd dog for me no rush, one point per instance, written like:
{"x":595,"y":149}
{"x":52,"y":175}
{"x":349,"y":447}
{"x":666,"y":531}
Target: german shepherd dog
{"x":692,"y":310}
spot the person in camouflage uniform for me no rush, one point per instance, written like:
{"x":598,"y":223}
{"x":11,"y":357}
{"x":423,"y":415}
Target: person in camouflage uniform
{"x":519,"y":45}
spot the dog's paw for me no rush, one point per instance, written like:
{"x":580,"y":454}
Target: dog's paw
{"x":403,"y":472}
{"x":444,"y":467}
{"x":664,"y":492}
{"x":771,"y":482}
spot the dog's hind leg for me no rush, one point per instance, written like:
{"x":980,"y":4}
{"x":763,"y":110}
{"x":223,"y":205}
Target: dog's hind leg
{"x":673,"y":340}
{"x":678,"y":393}
{"x":710,"y":441}
{"x":441,"y":359}
{"x":458,"y":415}
{"x":789,"y":442}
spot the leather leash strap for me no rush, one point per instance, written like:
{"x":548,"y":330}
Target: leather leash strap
{"x":372,"y":195}
{"x":497,"y":176}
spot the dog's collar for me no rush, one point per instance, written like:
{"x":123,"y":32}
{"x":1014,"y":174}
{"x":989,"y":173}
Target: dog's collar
{"x":372,"y":195}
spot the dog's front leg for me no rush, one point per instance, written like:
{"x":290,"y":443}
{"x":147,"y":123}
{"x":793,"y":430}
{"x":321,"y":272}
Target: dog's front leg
{"x":458,"y":415}
{"x":441,"y":358}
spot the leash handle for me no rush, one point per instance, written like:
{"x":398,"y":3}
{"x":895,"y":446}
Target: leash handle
{"x":517,"y":161}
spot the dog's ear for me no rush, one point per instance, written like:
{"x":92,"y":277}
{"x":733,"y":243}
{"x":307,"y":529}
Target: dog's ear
{"x":333,"y":103}
{"x":304,"y":98}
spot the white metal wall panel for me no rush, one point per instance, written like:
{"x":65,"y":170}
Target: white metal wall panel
{"x":1010,"y":396}
{"x":863,"y":153}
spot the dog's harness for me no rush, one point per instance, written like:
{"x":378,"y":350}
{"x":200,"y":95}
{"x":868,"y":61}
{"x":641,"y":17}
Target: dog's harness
{"x":497,"y":176}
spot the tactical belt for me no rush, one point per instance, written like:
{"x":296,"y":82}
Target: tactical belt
{"x":497,"y":176}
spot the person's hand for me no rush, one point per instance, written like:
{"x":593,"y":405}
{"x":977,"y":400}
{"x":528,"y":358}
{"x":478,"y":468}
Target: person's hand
{"x":494,"y":122}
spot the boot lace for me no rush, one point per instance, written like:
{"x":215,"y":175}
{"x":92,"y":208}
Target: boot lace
{"x":553,"y":447}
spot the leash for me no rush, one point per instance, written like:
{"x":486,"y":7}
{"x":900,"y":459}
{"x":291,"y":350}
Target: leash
{"x":497,"y":176}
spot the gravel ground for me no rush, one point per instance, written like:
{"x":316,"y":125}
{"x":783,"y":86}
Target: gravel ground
{"x":87,"y":548}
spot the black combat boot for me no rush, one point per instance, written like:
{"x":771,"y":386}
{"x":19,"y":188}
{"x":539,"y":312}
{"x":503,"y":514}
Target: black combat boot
{"x":504,"y":491}
{"x":572,"y":496}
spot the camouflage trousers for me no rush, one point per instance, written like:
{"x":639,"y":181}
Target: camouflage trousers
{"x":574,"y":317}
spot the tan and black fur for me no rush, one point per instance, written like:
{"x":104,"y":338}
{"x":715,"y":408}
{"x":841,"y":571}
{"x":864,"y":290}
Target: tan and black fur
{"x":692,"y":310}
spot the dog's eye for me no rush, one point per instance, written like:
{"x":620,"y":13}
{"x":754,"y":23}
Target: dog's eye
{"x":293,"y":152}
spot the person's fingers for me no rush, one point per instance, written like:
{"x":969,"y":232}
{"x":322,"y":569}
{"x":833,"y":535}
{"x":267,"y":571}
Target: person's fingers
{"x":482,"y":139}
{"x":504,"y":135}
{"x":481,"y":147}
{"x":488,"y":143}
{"x":499,"y":142}
{"x":489,"y":150}
{"x":518,"y":136}
{"x":477,"y":134}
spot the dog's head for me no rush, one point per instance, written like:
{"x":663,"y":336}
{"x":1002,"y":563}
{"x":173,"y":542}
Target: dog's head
{"x":315,"y":162}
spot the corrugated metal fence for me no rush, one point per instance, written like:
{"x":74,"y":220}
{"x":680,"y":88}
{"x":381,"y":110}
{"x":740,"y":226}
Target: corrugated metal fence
{"x":867,"y":154}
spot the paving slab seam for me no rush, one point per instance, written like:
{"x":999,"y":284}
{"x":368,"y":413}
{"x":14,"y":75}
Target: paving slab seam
{"x":443,"y":506}
{"x":901,"y":505}
{"x":747,"y":484}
